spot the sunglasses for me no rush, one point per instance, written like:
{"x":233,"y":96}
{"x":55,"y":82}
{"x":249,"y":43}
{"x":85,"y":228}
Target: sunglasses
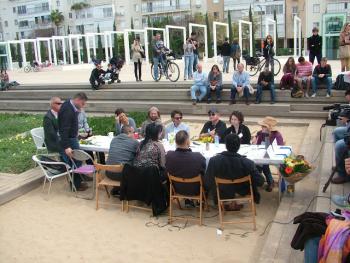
{"x":211,"y":114}
{"x":178,"y":118}
{"x":58,"y":103}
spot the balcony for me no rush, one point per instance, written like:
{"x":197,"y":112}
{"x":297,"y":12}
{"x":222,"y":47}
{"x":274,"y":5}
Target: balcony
{"x":152,"y":9}
{"x":35,"y":10}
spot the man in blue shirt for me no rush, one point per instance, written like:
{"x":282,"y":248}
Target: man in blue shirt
{"x":176,"y":125}
{"x":240,"y":83}
{"x":200,"y":85}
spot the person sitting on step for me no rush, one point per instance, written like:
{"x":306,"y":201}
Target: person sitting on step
{"x":200,"y":85}
{"x":96,"y":77}
{"x":265,"y":81}
{"x":303,"y":75}
{"x":215,"y":83}
{"x":240,"y":84}
{"x":322,"y":74}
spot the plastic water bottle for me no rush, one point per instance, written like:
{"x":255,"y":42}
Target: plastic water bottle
{"x":216,"y":140}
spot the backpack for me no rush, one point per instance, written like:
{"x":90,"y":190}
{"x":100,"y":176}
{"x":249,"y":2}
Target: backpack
{"x":296,"y":92}
{"x":340,"y":84}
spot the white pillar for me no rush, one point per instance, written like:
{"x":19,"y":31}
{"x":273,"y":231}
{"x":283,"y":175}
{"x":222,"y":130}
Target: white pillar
{"x":54,"y":51}
{"x":297,"y":32}
{"x":110,"y":44}
{"x":64,"y":50}
{"x":70,"y":51}
{"x":106,"y":48}
{"x":23,"y":53}
{"x":49,"y":48}
{"x":9,"y":55}
{"x":36,"y":50}
{"x":126,"y":47}
{"x":94,"y":45}
{"x":146,"y":46}
{"x":39,"y":51}
{"x":251,"y":39}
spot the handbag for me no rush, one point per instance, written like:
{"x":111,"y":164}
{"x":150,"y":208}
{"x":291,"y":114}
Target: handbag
{"x":344,"y":51}
{"x":142,"y":52}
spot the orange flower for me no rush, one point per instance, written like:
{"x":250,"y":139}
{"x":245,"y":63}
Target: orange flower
{"x":288,"y":170}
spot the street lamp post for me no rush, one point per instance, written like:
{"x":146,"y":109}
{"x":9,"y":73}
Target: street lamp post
{"x":261,"y":27}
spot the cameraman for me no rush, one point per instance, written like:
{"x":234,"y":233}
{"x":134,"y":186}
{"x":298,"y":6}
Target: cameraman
{"x":343,"y":200}
{"x":342,"y":148}
{"x":339,"y":132}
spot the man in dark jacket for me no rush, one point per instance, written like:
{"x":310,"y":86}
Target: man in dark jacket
{"x":68,"y":130}
{"x":50,"y":124}
{"x":322,"y":74}
{"x":96,"y":77}
{"x":226,"y":55}
{"x":314,"y":45}
{"x":184,"y":163}
{"x":265,"y":81}
{"x":214,"y":126}
{"x":231,"y":165}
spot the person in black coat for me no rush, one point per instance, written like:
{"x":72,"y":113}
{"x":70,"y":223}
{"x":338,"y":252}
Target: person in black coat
{"x":50,"y":124}
{"x":96,"y":77}
{"x":231,"y":165}
{"x":268,"y":52}
{"x":314,"y":45}
{"x":68,"y":131}
{"x":226,"y":55}
{"x":265,"y":81}
{"x":237,"y":127}
{"x":214,"y":126}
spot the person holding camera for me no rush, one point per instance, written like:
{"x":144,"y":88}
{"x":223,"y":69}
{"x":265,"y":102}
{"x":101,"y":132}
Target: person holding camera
{"x":339,"y":132}
{"x":188,"y":47}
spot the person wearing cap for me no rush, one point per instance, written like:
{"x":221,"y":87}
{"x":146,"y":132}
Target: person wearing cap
{"x":153,"y":117}
{"x":96,"y":77}
{"x":322,"y":74}
{"x":265,"y":81}
{"x":176,"y":125}
{"x":240,"y":84}
{"x":214,"y":126}
{"x":314,"y":45}
{"x":267,"y":135}
{"x":200,"y":85}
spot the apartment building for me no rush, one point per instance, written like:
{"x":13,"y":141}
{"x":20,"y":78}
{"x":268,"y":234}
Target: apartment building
{"x":294,"y":8}
{"x":125,"y":10}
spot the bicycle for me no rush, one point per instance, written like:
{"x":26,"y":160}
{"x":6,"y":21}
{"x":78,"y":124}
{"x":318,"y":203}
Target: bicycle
{"x":255,"y":64}
{"x":31,"y":67}
{"x":171,"y":71}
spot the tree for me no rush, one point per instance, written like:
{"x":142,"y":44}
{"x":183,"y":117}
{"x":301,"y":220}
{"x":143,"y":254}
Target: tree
{"x":115,"y":40}
{"x":253,"y":33}
{"x":275,"y":18}
{"x":19,"y":54}
{"x":210,"y":49}
{"x":43,"y":53}
{"x":56,"y":18}
{"x":99,"y":44}
{"x":79,"y":6}
{"x":29,"y":52}
{"x":85,"y":57}
{"x":229,"y":25}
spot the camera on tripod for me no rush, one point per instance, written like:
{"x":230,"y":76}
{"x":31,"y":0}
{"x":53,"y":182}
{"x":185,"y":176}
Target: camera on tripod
{"x":335,"y":111}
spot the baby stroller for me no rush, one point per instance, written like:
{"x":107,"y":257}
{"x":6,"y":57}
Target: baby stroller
{"x":117,"y":64}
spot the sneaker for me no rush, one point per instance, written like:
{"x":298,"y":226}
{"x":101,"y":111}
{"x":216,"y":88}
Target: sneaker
{"x":313,"y":95}
{"x":189,"y":203}
{"x":328,"y":95}
{"x":339,"y":180}
{"x":341,"y":201}
{"x":194,"y":102}
{"x":307,"y":95}
{"x":232,"y":102}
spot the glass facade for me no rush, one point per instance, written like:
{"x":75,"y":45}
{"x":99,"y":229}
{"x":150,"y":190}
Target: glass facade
{"x":332,"y":25}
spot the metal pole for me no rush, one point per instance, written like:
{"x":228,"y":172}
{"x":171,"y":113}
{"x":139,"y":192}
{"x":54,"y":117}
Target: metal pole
{"x":261,"y":28}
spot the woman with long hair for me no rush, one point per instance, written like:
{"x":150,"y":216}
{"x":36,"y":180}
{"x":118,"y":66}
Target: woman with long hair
{"x":237,"y":127}
{"x":188,"y":47}
{"x":268,"y":52}
{"x":215,"y":83}
{"x":289,"y":71}
{"x":344,"y":47}
{"x":137,"y":51}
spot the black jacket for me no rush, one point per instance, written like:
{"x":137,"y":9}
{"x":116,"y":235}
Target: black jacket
{"x":266,"y":76}
{"x":144,"y":184}
{"x":327,"y":70}
{"x":226,"y":49}
{"x":268,"y":51}
{"x":244,"y":130}
{"x":228,"y":165}
{"x":220,"y":129}
{"x":314,"y":44}
{"x":67,"y":123}
{"x":95,"y":74}
{"x":50,"y":124}
{"x":184,"y":163}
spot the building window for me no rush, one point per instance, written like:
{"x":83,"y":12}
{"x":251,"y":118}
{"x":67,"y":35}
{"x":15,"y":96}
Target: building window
{"x":216,"y":15}
{"x":316,"y":8}
{"x":149,"y":7}
{"x":16,"y":22}
{"x":45,"y":6}
{"x":70,"y":15}
{"x":216,"y":1}
{"x":136,"y":23}
{"x":6,"y":23}
{"x":22,"y":34}
{"x":136,"y":8}
{"x":316,"y":24}
{"x":198,"y":3}
{"x":294,"y":10}
{"x":23,"y":23}
{"x":14,"y":10}
{"x":21,"y":9}
{"x":107,"y":12}
{"x":58,"y":3}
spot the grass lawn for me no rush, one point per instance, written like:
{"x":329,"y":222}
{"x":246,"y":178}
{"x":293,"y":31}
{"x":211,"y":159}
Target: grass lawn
{"x":17,"y":146}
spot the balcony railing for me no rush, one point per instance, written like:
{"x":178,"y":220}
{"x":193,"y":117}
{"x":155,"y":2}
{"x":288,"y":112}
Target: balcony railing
{"x":35,"y":10}
{"x":163,"y":9}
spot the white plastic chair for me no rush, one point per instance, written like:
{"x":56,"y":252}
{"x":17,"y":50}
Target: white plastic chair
{"x":39,"y":139}
{"x":51,"y":173}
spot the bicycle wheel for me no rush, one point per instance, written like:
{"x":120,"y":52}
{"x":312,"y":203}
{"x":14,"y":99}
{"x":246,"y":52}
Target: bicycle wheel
{"x":173,"y":71}
{"x":276,"y":66}
{"x":27,"y":69}
{"x":159,"y":72}
{"x":36,"y":69}
{"x":252,"y":69}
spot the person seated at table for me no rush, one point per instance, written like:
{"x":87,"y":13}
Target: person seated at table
{"x":267,"y":135}
{"x":96,"y":77}
{"x":214,"y":126}
{"x":184,"y":163}
{"x":231,"y":165}
{"x":289,"y":70}
{"x":122,"y":150}
{"x":151,"y":151}
{"x":50,"y":124}
{"x":200,"y":84}
{"x":121,"y":119}
{"x":240,"y":84}
{"x":237,"y":127}
{"x":265,"y":81}
{"x":303,"y":75}
{"x":153,"y":116}
{"x":322,"y":74}
{"x":343,"y":200}
{"x":176,"y":125}
{"x":215,"y":84}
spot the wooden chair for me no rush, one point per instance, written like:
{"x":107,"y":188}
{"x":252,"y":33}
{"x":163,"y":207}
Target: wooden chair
{"x":176,"y":196}
{"x":249,"y":198}
{"x":102,"y":180}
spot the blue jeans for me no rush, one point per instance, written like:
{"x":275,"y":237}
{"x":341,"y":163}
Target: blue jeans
{"x":188,"y":66}
{"x":217,"y":91}
{"x":234,"y":92}
{"x":341,"y":150}
{"x":339,"y":132}
{"x":259,"y":89}
{"x":155,"y":67}
{"x":195,"y":62}
{"x":74,"y":144}
{"x":316,"y":80}
{"x":267,"y":172}
{"x":311,"y":250}
{"x":312,"y":57}
{"x":226,"y":63}
{"x":202,"y":92}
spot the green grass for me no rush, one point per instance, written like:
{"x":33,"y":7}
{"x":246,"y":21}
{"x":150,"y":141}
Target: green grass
{"x":17,"y":148}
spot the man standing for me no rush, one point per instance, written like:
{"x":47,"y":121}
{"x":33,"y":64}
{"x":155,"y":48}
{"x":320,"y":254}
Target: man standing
{"x":200,"y":85}
{"x":176,"y":125}
{"x":322,"y":74}
{"x":214,"y":126}
{"x":226,"y":55}
{"x":265,"y":81}
{"x":153,"y":116}
{"x":50,"y":124}
{"x":303,"y":75}
{"x":158,"y":49}
{"x":68,"y":130}
{"x":314,"y":45}
{"x":195,"y":51}
{"x":122,"y":150}
{"x":240,"y":83}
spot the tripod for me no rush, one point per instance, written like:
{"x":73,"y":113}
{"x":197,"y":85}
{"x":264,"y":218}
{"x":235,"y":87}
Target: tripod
{"x":334,"y":170}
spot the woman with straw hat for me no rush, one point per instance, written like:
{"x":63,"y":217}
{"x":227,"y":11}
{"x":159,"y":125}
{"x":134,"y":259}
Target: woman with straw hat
{"x":267,"y":135}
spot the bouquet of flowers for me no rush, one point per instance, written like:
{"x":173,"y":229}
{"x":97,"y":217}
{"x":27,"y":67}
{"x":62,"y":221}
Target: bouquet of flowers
{"x":295,"y":168}
{"x":206,"y":139}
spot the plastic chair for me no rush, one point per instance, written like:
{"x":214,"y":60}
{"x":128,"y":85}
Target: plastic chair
{"x":50,"y":173}
{"x":249,"y":198}
{"x":39,"y":139}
